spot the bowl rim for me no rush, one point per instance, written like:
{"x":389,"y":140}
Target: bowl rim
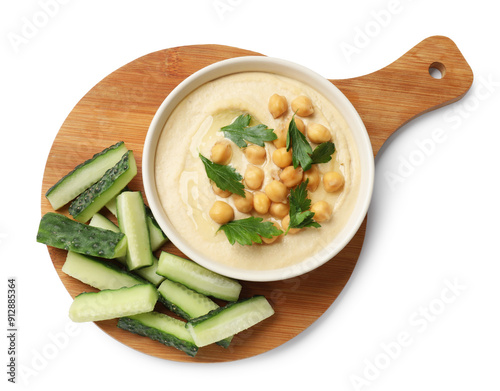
{"x":286,"y":68}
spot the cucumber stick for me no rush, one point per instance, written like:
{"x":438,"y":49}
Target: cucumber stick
{"x":111,"y":183}
{"x":161,"y":327}
{"x":187,"y":303}
{"x":149,"y":272}
{"x":84,"y":175}
{"x":184,"y":301}
{"x":113,"y":303}
{"x":98,"y":220}
{"x":132,"y":222}
{"x":59,"y":231}
{"x":229,"y":320}
{"x":197,"y":277}
{"x":156,"y":235}
{"x":98,"y":273}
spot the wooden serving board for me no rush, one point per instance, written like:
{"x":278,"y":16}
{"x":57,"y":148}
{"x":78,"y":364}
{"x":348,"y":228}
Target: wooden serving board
{"x":122,"y":105}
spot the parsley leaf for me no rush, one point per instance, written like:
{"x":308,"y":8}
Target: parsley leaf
{"x":249,"y":230}
{"x":239,"y":131}
{"x":323,"y":153}
{"x":301,"y":148}
{"x":300,"y":215}
{"x":225,"y":177}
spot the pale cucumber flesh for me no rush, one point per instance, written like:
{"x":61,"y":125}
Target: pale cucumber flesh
{"x":113,"y":303}
{"x":97,"y":273}
{"x":109,"y":186}
{"x":132,"y":222}
{"x":229,"y":320}
{"x":197,"y":277}
{"x":84,"y":175}
{"x":183,"y":301}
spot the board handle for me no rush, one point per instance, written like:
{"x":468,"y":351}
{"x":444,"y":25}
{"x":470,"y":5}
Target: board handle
{"x":392,"y":96}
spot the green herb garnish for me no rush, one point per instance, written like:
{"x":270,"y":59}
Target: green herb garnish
{"x":225,"y":177}
{"x":301,"y":153}
{"x":239,"y":131}
{"x":323,"y":153}
{"x":249,"y":230}
{"x":300,"y":215}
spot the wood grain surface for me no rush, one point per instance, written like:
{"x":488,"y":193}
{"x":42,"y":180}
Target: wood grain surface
{"x":122,"y":105}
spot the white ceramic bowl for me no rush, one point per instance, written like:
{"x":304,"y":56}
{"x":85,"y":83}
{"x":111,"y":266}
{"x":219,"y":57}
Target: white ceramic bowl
{"x":285,"y":68}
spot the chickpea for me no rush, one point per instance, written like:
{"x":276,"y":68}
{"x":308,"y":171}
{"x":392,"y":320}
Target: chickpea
{"x":243,"y":204}
{"x":218,"y":191}
{"x":261,"y":202}
{"x":291,"y":176}
{"x":221,"y":153}
{"x":281,"y":157}
{"x":333,"y":181}
{"x":221,"y":212}
{"x":314,"y":179}
{"x":318,"y":133}
{"x":274,"y":238}
{"x":254,"y":176}
{"x":279,"y":209}
{"x":277,"y":105}
{"x":322,"y":211}
{"x":285,"y":221}
{"x":302,"y":105}
{"x":255,"y":154}
{"x":280,"y":142}
{"x":276,"y":191}
{"x":300,"y":125}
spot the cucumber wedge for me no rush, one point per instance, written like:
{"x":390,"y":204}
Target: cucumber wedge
{"x":98,"y":273}
{"x":113,"y":303}
{"x":149,"y":272}
{"x":156,"y":235}
{"x":59,"y":231}
{"x":84,"y":175}
{"x":100,"y":221}
{"x":187,"y":303}
{"x":183,"y":301}
{"x":96,"y":196}
{"x":197,"y":277}
{"x":229,"y":320}
{"x":161,"y":327}
{"x":132,"y":222}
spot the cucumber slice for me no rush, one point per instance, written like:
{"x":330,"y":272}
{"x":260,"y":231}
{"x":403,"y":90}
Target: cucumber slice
{"x":161,"y":327}
{"x":59,"y":231}
{"x":84,"y":175}
{"x":113,"y":303}
{"x":132,"y":222}
{"x":229,"y":320}
{"x":98,"y":273}
{"x":197,"y":277}
{"x":96,"y":196}
{"x":183,"y":301}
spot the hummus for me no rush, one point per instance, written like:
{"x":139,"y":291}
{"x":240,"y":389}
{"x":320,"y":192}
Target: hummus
{"x":186,"y":193}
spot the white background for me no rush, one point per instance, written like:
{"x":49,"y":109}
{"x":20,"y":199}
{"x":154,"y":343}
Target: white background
{"x":397,"y":325}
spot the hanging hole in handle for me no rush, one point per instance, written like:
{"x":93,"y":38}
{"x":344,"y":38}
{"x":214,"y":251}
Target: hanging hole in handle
{"x":437,"y":70}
